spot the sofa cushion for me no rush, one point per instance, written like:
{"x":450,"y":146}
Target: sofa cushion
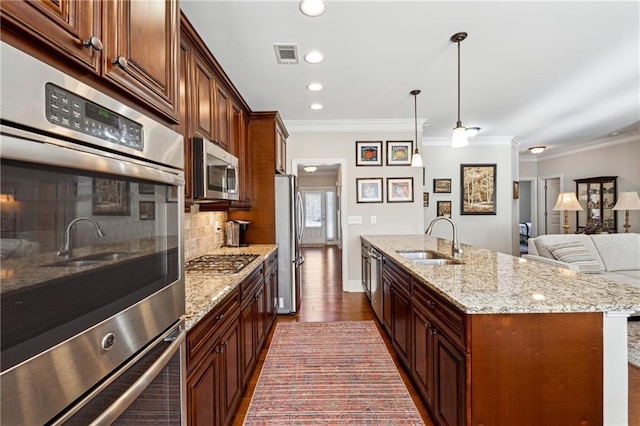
{"x":543,"y":241}
{"x":631,"y":278}
{"x":577,"y":254}
{"x":619,"y":252}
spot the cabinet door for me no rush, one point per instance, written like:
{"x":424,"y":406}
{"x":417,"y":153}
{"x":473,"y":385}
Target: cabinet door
{"x":222,"y":117}
{"x":202,"y":392}
{"x":281,"y":152}
{"x":203,"y":102}
{"x":141,"y":50}
{"x":248,"y":351}
{"x":185,"y":66}
{"x":450,"y":379}
{"x":422,"y":359}
{"x":401,"y":325}
{"x":261,"y":317}
{"x":62,"y":26}
{"x":386,"y":303}
{"x":230,"y":371}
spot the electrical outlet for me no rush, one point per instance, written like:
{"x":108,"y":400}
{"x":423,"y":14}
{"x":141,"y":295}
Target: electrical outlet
{"x":217,"y":225}
{"x":373,"y":220}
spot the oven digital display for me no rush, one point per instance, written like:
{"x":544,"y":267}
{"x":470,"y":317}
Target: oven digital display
{"x":101,"y":114}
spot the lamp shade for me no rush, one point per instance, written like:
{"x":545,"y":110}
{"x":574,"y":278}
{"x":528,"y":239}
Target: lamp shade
{"x":627,"y":201}
{"x":460,"y":138}
{"x":416,"y":159}
{"x":567,"y":201}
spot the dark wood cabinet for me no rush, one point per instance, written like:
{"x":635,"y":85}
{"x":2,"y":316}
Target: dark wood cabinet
{"x":399,"y":283}
{"x":422,"y":359}
{"x":253,"y":323}
{"x":449,"y":377}
{"x":271,"y":290}
{"x":131,"y":46}
{"x":231,"y":385}
{"x":597,"y":197}
{"x":203,"y":391}
{"x":386,"y":303}
{"x":281,"y":151}
{"x":215,"y":111}
{"x":263,"y":130}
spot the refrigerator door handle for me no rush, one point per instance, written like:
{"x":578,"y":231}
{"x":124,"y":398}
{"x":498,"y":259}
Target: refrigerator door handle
{"x":299,"y":261}
{"x":300,"y":216}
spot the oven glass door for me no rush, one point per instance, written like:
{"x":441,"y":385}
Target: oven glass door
{"x":76,"y":248}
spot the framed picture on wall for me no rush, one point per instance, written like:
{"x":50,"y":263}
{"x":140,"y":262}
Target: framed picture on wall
{"x":477,"y":189}
{"x":399,"y":190}
{"x":425,"y":199}
{"x":442,"y":186}
{"x":111,"y":197}
{"x":368,"y":153}
{"x":399,"y":153}
{"x":444,"y":208}
{"x":369,"y":190}
{"x":516,"y":189}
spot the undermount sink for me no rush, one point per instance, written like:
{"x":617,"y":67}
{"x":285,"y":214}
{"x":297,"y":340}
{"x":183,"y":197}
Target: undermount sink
{"x":427,"y":258}
{"x":92,"y":259}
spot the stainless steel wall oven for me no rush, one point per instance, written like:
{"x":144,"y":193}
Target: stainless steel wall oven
{"x":91,"y":258}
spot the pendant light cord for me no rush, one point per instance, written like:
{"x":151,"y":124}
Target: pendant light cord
{"x":459,"y":124}
{"x":415,"y":109}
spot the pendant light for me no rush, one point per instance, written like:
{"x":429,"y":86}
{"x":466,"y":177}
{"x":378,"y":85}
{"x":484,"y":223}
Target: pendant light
{"x":460,"y":138}
{"x":416,"y":159}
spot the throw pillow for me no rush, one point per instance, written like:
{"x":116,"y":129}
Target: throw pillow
{"x":576,"y":254}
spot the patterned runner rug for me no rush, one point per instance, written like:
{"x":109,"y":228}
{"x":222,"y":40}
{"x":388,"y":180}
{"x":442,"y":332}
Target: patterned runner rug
{"x":330,"y":373}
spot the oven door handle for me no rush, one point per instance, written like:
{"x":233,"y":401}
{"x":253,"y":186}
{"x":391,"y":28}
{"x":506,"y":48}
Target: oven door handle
{"x":114,"y":411}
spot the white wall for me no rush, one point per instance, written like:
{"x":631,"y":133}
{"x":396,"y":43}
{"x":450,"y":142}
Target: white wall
{"x":497,"y":232}
{"x":618,"y":156}
{"x":391,"y":218}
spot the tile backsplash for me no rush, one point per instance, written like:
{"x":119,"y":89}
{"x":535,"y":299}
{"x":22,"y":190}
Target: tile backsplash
{"x":200,"y":235}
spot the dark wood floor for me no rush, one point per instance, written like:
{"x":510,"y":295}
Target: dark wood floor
{"x":324,"y":300}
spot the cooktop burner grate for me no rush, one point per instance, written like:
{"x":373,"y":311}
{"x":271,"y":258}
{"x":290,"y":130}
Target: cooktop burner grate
{"x":219,"y":263}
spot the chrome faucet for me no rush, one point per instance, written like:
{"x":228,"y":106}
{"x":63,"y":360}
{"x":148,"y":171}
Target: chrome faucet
{"x":456,"y":250}
{"x":65,"y":250}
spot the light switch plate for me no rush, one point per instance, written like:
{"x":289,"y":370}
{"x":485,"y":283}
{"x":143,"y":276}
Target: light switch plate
{"x":355,"y":220}
{"x":373,"y":220}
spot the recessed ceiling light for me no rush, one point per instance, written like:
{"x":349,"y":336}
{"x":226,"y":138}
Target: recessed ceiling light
{"x":615,"y":134}
{"x":314,"y":87}
{"x":310,"y":169}
{"x":313,"y":7}
{"x":315,"y":106}
{"x":536,"y":149}
{"x":314,"y":57}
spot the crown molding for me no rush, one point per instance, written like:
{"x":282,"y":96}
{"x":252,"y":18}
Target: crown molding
{"x":350,"y":126}
{"x":476,"y":141}
{"x":589,"y":146}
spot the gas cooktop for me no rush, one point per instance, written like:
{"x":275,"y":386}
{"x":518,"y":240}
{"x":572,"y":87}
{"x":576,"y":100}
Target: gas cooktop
{"x":219,"y":263}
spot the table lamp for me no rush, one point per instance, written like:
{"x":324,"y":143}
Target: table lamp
{"x":627,"y":201}
{"x":567,"y":201}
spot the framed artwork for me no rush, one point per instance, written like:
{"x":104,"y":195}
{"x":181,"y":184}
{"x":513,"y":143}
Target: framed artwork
{"x":442,"y":186}
{"x":369,"y":190}
{"x":425,"y":199}
{"x":368,"y":153}
{"x":444,"y":208}
{"x":147,"y":210}
{"x":111,"y":197}
{"x":516,"y":189}
{"x":172,"y":193}
{"x":146,"y":188}
{"x":477,"y":189}
{"x":399,"y":190}
{"x":399,"y":153}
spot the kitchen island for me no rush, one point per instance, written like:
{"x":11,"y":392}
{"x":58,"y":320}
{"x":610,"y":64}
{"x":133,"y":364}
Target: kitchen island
{"x":494,"y":339}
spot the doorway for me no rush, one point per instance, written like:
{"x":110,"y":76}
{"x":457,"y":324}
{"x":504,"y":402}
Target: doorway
{"x":549,"y":189}
{"x":320,"y":216}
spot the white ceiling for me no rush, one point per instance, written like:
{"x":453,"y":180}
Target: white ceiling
{"x":543,"y":72}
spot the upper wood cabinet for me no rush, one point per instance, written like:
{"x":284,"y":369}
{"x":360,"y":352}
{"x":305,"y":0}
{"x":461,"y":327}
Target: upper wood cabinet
{"x":132,"y":45}
{"x":213,"y":110}
{"x":281,"y":150}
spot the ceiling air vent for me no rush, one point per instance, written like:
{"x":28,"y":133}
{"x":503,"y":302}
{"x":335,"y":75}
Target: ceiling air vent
{"x":286,"y":53}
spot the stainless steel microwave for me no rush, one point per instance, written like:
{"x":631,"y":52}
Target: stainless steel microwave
{"x":215,"y":172}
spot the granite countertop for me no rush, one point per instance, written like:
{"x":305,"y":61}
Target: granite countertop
{"x":203,"y":291}
{"x":489,"y":282}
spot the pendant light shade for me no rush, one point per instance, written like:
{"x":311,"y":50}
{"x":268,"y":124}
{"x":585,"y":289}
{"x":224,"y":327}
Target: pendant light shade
{"x":416,"y":159}
{"x":460,"y":138}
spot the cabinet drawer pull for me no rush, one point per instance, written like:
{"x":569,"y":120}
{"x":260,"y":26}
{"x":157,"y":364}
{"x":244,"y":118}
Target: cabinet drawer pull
{"x":434,"y":331}
{"x":219,"y":317}
{"x":431,"y":303}
{"x":95,"y":43}
{"x":121,"y":62}
{"x":225,"y":343}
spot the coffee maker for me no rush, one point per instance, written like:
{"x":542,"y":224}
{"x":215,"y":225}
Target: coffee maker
{"x":235,"y":230}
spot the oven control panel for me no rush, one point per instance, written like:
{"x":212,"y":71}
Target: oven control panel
{"x":67,"y":109}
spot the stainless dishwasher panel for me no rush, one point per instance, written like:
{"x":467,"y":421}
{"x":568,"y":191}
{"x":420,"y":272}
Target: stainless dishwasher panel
{"x":375,"y":276}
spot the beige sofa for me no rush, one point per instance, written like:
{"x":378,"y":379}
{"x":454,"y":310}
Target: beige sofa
{"x":612,"y":256}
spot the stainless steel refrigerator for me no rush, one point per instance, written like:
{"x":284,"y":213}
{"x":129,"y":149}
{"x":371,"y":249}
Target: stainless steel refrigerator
{"x":289,"y":226}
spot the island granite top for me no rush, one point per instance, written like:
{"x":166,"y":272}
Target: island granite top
{"x":203,"y":291}
{"x":489,"y":282}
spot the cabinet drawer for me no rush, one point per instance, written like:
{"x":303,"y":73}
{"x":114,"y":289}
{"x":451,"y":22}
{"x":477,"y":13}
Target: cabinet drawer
{"x":249,"y":284}
{"x":398,"y":277}
{"x":271,"y":263}
{"x":449,"y":319}
{"x":202,"y":336}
